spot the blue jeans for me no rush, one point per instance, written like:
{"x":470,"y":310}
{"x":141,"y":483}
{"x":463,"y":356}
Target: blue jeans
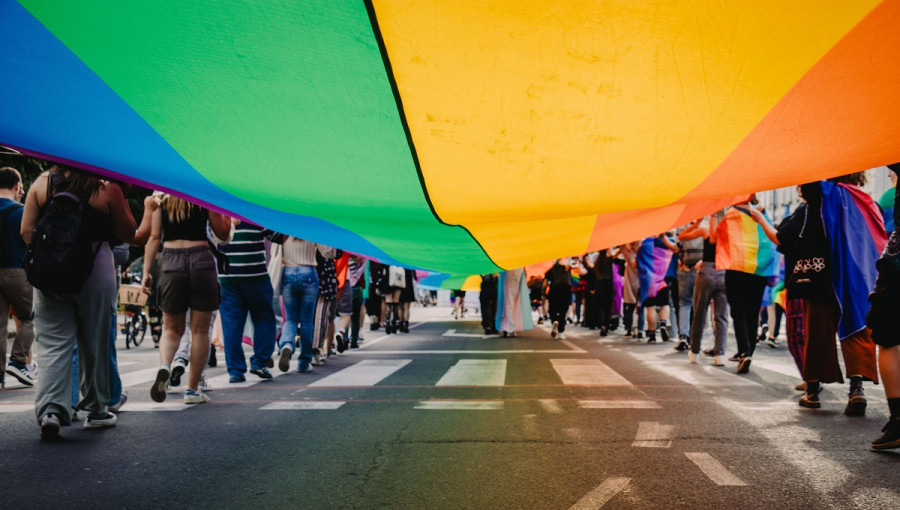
{"x":237,"y":301}
{"x":115,"y":382}
{"x":299,"y":289}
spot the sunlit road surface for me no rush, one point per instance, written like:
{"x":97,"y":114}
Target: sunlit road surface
{"x":444,"y":417}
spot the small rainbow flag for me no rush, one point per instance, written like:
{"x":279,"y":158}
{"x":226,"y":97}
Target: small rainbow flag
{"x":653,"y":263}
{"x":742,"y":245}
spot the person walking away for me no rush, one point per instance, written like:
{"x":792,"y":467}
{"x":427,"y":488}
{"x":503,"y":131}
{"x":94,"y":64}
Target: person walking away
{"x":559,"y":283}
{"x":187,"y":282}
{"x":513,"y":306}
{"x":748,"y":257}
{"x":15,"y":291}
{"x":488,"y":298}
{"x":300,"y":291}
{"x":653,"y":259}
{"x":885,"y":301}
{"x":75,"y":307}
{"x":691,"y":254}
{"x":709,"y":287}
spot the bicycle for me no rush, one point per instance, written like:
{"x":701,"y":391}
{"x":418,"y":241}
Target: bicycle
{"x":135,"y":327}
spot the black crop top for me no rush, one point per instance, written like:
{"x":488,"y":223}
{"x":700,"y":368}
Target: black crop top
{"x":709,"y":251}
{"x":192,"y":228}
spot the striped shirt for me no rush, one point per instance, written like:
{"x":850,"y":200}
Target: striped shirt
{"x":246,"y":256}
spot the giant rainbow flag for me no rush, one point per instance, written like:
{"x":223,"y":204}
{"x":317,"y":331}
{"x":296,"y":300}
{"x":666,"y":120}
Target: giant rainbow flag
{"x":462,"y":137}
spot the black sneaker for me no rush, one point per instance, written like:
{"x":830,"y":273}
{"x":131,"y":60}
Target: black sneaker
{"x":682,"y":346}
{"x":709,"y":353}
{"x":737,"y":357}
{"x":262,"y":373}
{"x":664,"y":332}
{"x":212,"y":356}
{"x":856,"y":403}
{"x":810,"y":400}
{"x":177,"y":371}
{"x":744,"y":365}
{"x":764,"y":333}
{"x":651,"y":337}
{"x":354,"y":345}
{"x":891,"y":437}
{"x":340,"y":341}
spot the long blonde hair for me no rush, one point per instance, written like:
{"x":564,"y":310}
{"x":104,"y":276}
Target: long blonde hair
{"x":177,"y":209}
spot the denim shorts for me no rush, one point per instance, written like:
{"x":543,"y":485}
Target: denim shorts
{"x":188,"y":279}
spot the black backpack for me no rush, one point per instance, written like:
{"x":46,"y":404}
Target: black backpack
{"x":60,"y":257}
{"x":6,"y":233}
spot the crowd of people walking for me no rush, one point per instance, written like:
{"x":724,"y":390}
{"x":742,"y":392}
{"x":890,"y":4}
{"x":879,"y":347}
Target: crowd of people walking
{"x":830,"y":269}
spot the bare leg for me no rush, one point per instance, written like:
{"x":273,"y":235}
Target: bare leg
{"x":889,"y":363}
{"x":199,"y":346}
{"x":173,"y":329}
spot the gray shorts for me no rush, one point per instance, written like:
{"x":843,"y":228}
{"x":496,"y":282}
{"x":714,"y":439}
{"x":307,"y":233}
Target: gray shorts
{"x":188,"y":279}
{"x":345,"y":302}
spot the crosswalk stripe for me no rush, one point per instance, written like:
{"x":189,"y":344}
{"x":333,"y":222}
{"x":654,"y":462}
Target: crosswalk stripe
{"x":301,"y":406}
{"x":138,"y":377}
{"x":618,"y":404}
{"x":587,"y":372}
{"x":651,"y":434}
{"x":153,"y":406}
{"x":365,"y":373}
{"x":475,"y":372}
{"x":551,"y":406}
{"x":601,"y":494}
{"x":459,"y":405}
{"x":221,"y":381}
{"x":15,"y":408}
{"x":714,"y":469}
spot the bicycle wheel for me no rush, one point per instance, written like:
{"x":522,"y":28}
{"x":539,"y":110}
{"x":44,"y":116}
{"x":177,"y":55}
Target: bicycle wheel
{"x":129,"y":332}
{"x":139,"y":329}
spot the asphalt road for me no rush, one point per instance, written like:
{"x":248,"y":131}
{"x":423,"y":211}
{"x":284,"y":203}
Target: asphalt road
{"x":446,"y":418}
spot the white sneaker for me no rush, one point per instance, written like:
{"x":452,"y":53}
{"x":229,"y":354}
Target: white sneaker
{"x":115,"y":408}
{"x":692,"y":357}
{"x":195,"y":397}
{"x":562,"y":336}
{"x":554,"y":331}
{"x":717,"y":361}
{"x":204,"y":386}
{"x":98,"y":423}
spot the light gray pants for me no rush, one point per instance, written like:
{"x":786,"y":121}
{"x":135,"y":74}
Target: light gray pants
{"x":61,"y":321}
{"x":709,"y":286}
{"x":686,"y":281}
{"x":15,"y":291}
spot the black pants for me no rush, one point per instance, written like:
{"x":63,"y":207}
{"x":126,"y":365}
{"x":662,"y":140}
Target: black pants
{"x":591,"y":310}
{"x":605,"y":293}
{"x":488,"y":299}
{"x":628,"y":315}
{"x":356,"y":316}
{"x":560,"y":298}
{"x":373,"y":304}
{"x":744,"y":292}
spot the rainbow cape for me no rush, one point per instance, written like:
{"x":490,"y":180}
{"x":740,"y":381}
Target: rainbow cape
{"x":459,"y":137}
{"x":886,"y":202}
{"x":856,"y":234}
{"x":653,"y":260}
{"x":742,"y":245}
{"x":436,"y":281}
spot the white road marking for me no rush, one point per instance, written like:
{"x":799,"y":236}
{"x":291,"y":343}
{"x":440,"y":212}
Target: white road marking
{"x":221,"y":381}
{"x":601,"y":494}
{"x":713,"y":469}
{"x":618,"y":404}
{"x":587,"y":371}
{"x":497,"y":351}
{"x":458,"y":405}
{"x":16,"y":408}
{"x":551,"y":406}
{"x":301,"y":406}
{"x":139,"y":377}
{"x":651,"y":434}
{"x":153,"y":406}
{"x":365,"y":373}
{"x":454,"y":334}
{"x":475,"y":372}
